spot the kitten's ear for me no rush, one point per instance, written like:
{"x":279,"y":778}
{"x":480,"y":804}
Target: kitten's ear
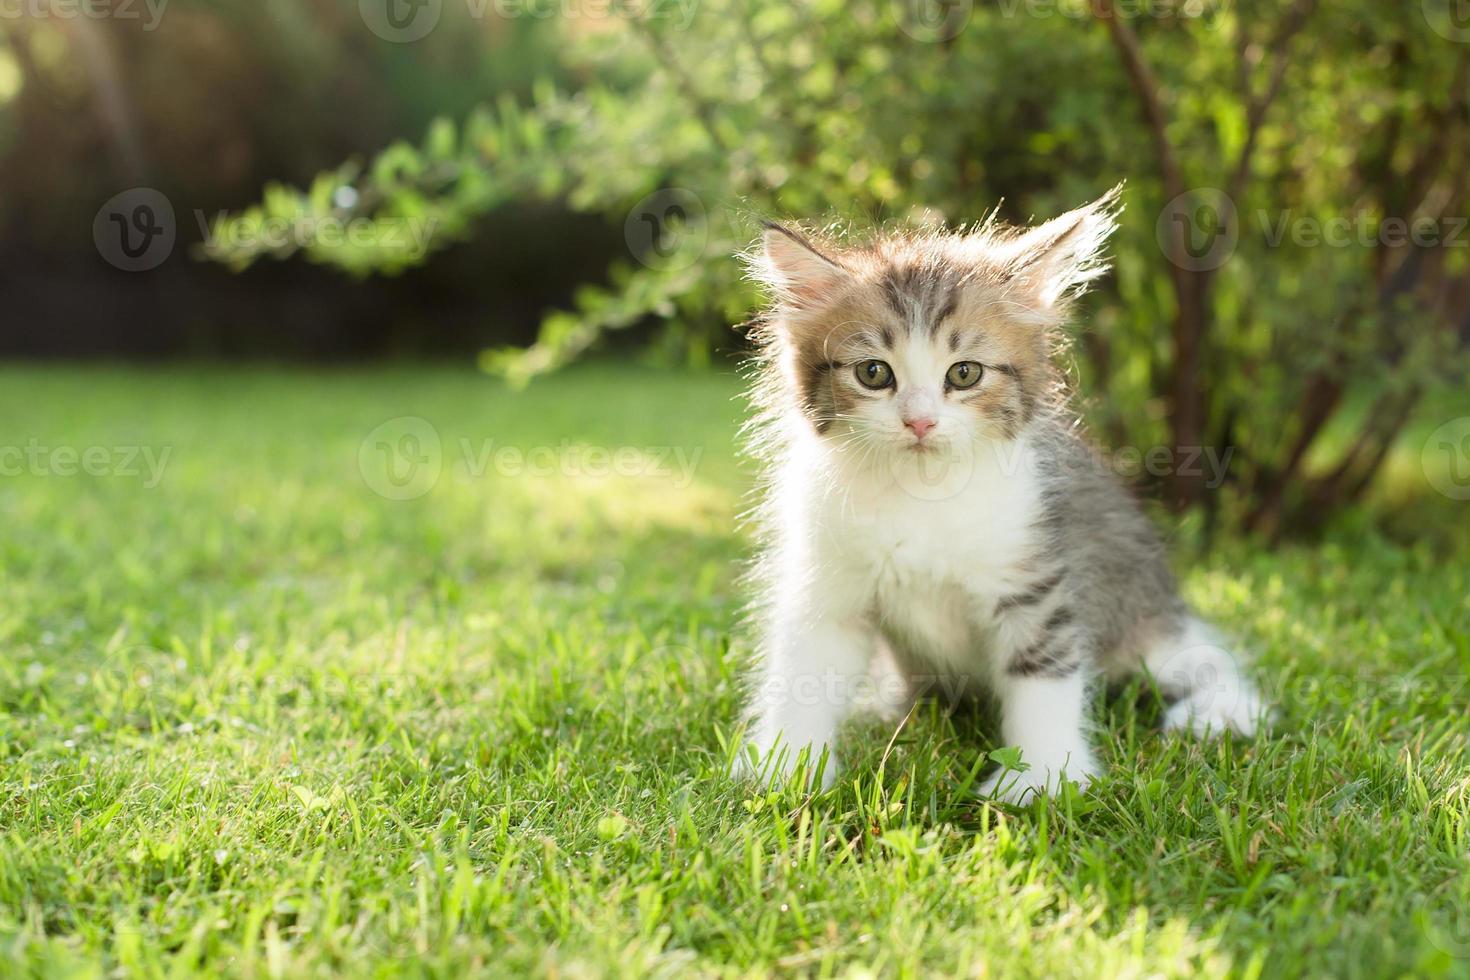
{"x":793,"y":268}
{"x":1055,"y":262}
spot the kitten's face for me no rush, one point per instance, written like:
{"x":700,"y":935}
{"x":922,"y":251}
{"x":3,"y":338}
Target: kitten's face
{"x":930,"y":344}
{"x":914,"y":364}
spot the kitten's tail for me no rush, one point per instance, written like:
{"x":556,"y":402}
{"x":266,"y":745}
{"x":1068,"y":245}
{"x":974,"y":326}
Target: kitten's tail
{"x":1206,"y":683}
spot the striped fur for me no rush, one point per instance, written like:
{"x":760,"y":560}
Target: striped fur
{"x":985,"y":549}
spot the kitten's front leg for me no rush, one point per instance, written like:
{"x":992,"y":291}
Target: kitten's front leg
{"x":1045,"y":718}
{"x":814,"y":663}
{"x":1041,"y":681}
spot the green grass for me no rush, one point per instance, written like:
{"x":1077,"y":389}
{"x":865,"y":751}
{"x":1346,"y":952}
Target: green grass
{"x":259,"y":720}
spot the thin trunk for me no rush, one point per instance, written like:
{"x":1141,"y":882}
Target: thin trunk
{"x":1354,"y":473}
{"x":1187,"y":395}
{"x":1318,"y":404}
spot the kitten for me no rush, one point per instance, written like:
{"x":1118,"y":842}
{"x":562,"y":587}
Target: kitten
{"x":929,"y":500}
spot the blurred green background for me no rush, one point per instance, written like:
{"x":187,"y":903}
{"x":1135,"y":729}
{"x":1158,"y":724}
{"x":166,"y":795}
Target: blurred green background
{"x":527,"y":182}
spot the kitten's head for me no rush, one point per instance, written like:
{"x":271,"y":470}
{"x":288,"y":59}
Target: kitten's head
{"x":919,"y":343}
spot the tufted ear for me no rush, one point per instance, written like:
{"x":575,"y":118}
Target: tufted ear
{"x":1055,"y":262}
{"x":794,"y":269}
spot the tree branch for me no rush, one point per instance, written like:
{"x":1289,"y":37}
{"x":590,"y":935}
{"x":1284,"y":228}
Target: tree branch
{"x":1257,"y":107}
{"x":1186,"y":400}
{"x":1147,"y":89}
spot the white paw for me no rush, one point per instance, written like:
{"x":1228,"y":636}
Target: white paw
{"x":1212,"y":712}
{"x":1013,"y":786}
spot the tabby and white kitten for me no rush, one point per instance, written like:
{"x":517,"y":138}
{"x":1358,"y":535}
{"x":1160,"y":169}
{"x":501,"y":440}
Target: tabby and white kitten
{"x":930,"y":504}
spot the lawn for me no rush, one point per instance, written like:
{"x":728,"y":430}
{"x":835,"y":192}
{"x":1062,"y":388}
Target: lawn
{"x":261,"y":717}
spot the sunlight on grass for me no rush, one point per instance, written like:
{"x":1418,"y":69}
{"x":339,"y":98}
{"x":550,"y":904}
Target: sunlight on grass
{"x":262,"y":715}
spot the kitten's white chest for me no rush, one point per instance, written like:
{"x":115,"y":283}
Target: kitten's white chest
{"x":937,"y":560}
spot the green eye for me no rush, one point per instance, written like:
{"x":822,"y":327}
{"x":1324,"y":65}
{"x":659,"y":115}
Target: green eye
{"x":874,"y":374}
{"x":964,"y":374}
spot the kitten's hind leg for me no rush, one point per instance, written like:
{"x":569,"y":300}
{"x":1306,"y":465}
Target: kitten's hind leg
{"x":892,"y":693}
{"x":1205,"y":683}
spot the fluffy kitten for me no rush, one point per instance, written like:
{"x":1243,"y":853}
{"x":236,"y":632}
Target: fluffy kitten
{"x":930,"y":502}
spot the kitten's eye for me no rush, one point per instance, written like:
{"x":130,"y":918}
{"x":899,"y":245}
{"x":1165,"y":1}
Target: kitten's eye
{"x":964,"y":374}
{"x":874,"y":374}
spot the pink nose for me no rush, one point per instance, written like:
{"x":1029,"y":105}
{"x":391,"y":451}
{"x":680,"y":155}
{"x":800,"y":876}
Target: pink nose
{"x":919,"y":426}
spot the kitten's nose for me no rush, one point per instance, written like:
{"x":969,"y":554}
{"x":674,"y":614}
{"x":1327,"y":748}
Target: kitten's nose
{"x":919,"y":426}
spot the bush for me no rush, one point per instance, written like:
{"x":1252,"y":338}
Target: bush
{"x":1263,"y":288}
